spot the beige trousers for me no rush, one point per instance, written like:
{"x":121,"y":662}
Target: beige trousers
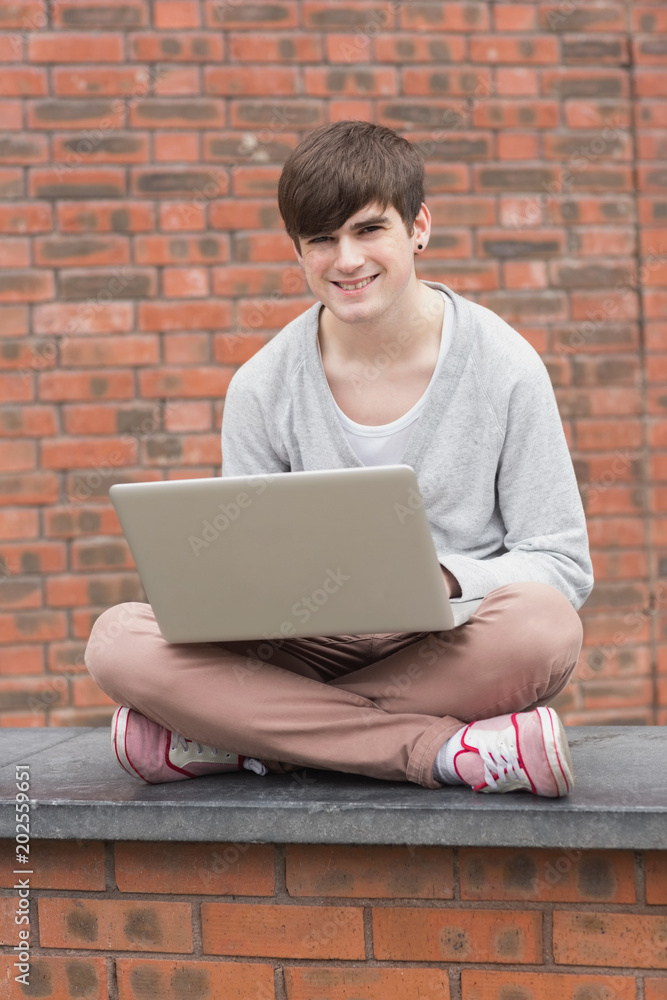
{"x":379,"y":705}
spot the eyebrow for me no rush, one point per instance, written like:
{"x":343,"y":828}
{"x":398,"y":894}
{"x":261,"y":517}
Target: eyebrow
{"x":374,"y":221}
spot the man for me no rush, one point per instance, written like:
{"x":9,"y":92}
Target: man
{"x":384,"y":368}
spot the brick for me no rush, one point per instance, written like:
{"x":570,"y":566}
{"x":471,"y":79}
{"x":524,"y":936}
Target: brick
{"x":371,"y":983}
{"x":84,"y":453}
{"x":246,"y":213}
{"x":249,"y":181}
{"x":115,"y":924}
{"x":278,"y":15}
{"x":11,"y":115}
{"x":28,"y":488}
{"x":494,"y":49}
{"x":283,"y":931}
{"x":189,"y":382}
{"x":156,"y":249}
{"x":581,"y":114}
{"x":271,"y":143}
{"x":15,"y":251}
{"x":248,"y":81}
{"x":409,"y":48}
{"x":11,"y":48}
{"x":171,"y":14}
{"x":452,"y":17}
{"x":26,"y":286}
{"x":61,"y":114}
{"x":20,"y":660}
{"x":119,"y":217}
{"x":519,"y":114}
{"x":64,"y":251}
{"x":108,"y":82}
{"x":495,"y":985}
{"x":66,"y":657}
{"x":68,"y":317}
{"x":98,"y":287}
{"x":67,"y":386}
{"x":62,"y":865}
{"x":391,"y":872}
{"x":455,"y":935}
{"x":610,"y":939}
{"x":177,"y":113}
{"x":16,"y":456}
{"x":200,"y":185}
{"x":171,"y":147}
{"x":118,"y":147}
{"x":77,"y":520}
{"x":39,"y":557}
{"x":185,"y":282}
{"x":175,"y":315}
{"x":106,"y":555}
{"x":23,"y":81}
{"x":270,"y":315}
{"x":241,"y":280}
{"x":86,"y":694}
{"x":23,"y":149}
{"x":76,"y":182}
{"x":89,"y":14}
{"x":11,"y":182}
{"x":234,"y":349}
{"x":61,"y":47}
{"x":138,"y":978}
{"x":656,"y":877}
{"x":31,"y":694}
{"x":186,"y":348}
{"x":99,"y":351}
{"x":189,"y":47}
{"x":93,"y":418}
{"x":655,"y":989}
{"x":181,"y":216}
{"x":20,"y":594}
{"x":205,"y":869}
{"x":515,"y":17}
{"x":464,"y":83}
{"x":263,"y":247}
{"x":262,"y":47}
{"x":195,"y":416}
{"x":291,"y":114}
{"x":31,"y":218}
{"x":326,"y":81}
{"x":57,"y":976}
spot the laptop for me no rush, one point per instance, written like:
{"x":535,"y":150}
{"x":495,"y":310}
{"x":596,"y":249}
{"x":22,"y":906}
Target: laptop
{"x":332,"y":552}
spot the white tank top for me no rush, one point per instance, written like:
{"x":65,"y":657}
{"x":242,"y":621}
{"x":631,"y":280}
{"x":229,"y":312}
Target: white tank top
{"x":384,"y":444}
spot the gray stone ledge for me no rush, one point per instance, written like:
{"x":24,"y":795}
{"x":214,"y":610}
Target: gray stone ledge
{"x":79,"y":792}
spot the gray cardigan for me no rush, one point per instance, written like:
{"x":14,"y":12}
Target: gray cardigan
{"x":488,"y":450}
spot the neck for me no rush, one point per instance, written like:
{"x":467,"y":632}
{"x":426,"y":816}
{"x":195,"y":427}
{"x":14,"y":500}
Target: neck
{"x":414,"y":322}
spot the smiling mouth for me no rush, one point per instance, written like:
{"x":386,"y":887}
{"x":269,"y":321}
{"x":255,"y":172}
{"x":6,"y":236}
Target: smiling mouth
{"x":354,"y":286}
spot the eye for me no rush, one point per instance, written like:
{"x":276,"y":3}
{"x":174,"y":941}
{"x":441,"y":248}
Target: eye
{"x":318,"y":239}
{"x":370,"y":229}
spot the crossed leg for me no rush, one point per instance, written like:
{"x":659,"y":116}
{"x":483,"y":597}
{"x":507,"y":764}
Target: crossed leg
{"x":379,"y":705}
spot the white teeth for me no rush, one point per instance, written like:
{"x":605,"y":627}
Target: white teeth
{"x":359,"y":284}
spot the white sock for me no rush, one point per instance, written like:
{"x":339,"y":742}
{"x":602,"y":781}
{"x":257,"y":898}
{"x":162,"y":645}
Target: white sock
{"x":251,"y":764}
{"x":443,"y":768}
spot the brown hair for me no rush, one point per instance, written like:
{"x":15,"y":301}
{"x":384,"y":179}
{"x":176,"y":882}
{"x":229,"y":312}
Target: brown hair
{"x":339,"y":168}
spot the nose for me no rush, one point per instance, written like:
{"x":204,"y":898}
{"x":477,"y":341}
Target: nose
{"x":349,"y":255}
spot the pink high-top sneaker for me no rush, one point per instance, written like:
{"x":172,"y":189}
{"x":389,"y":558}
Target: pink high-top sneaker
{"x":525,"y":751}
{"x":154,"y":754}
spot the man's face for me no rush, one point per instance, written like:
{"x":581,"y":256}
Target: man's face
{"x":362,"y":269}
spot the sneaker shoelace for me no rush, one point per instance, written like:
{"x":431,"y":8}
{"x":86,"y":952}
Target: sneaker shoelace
{"x":501,"y":760}
{"x":249,"y":764}
{"x":186,"y":744}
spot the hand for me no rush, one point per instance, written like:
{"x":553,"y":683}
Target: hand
{"x":451,"y":583}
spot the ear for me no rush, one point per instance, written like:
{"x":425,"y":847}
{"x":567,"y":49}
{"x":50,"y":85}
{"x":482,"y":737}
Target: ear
{"x":422,"y":227}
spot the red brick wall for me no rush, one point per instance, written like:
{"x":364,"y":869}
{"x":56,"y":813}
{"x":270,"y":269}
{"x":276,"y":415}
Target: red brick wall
{"x":336,"y":923}
{"x":143,"y":259}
